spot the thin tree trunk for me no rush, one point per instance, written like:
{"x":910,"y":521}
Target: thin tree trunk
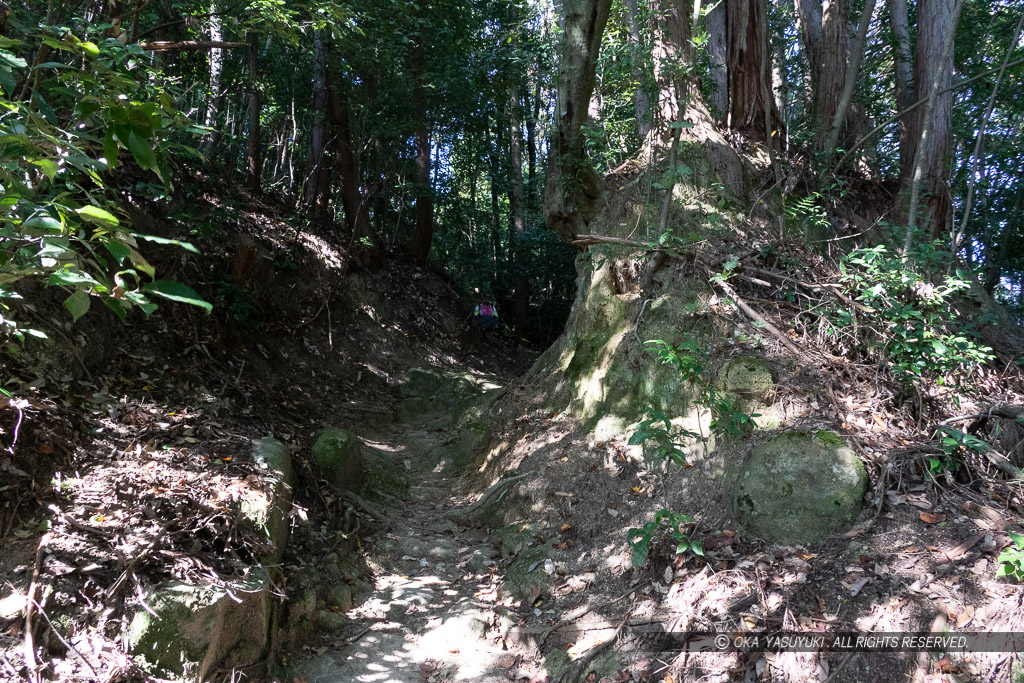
{"x":852,"y":72}
{"x":903,"y":72}
{"x":314,"y":194}
{"x":216,"y":68}
{"x":252,"y":148}
{"x":419,"y":247}
{"x":641,"y":101}
{"x":516,"y":201}
{"x":357,"y":216}
{"x":531,"y":146}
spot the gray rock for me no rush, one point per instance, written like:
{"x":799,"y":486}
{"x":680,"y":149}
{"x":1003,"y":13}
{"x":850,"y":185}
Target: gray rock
{"x":338,"y":453}
{"x":800,"y":488}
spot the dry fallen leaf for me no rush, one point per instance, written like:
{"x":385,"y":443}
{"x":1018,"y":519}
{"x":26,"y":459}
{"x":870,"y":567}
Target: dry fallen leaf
{"x":929,"y":518}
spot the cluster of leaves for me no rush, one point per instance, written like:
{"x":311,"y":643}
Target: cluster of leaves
{"x":1011,"y":560}
{"x":689,"y":359}
{"x":954,"y":444}
{"x":665,"y":524}
{"x":59,"y":223}
{"x":907,"y":316}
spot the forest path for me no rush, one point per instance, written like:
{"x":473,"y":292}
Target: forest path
{"x":434,"y":613}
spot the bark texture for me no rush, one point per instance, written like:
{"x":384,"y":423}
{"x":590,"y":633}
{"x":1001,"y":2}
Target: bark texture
{"x":573,"y":192}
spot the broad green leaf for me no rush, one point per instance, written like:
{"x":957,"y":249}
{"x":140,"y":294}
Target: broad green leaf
{"x":47,"y":224}
{"x":143,"y":152}
{"x":98,"y":216}
{"x":7,"y":59}
{"x":176,"y":291}
{"x":164,"y":240}
{"x":49,"y":167}
{"x":117,"y":249}
{"x":77,"y":304}
{"x":71,"y":278}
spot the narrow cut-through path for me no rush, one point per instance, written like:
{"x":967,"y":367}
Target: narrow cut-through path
{"x":434,"y":613}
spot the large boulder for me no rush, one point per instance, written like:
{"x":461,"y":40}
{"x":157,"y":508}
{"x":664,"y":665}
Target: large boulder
{"x":800,"y":488}
{"x":339,"y":455}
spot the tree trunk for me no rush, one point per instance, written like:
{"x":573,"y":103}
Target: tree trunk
{"x":253,"y":167}
{"x":714,"y":24}
{"x":214,"y":100}
{"x":314,"y":193}
{"x":574,"y":190}
{"x":531,"y":146}
{"x":357,"y":216}
{"x":829,"y":76}
{"x":516,"y":201}
{"x":749,"y":111}
{"x":641,"y":101}
{"x":419,"y":247}
{"x":853,"y":70}
{"x":930,"y":141}
{"x":903,"y":71}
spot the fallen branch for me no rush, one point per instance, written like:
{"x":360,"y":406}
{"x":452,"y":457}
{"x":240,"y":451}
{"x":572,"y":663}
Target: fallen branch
{"x":487,"y":495}
{"x":360,"y":504}
{"x":581,"y":612}
{"x":757,"y":317}
{"x":30,"y":608}
{"x":175,"y":45}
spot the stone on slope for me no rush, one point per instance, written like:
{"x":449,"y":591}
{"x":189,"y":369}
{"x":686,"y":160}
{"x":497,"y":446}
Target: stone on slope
{"x":339,"y":454}
{"x":800,"y":488}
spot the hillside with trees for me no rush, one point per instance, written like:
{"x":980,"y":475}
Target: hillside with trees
{"x":757,"y":365}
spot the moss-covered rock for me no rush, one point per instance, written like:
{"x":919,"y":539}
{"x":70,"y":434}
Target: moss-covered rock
{"x":800,"y":488}
{"x":339,"y":455}
{"x":748,"y":377}
{"x":201,"y":627}
{"x":422,"y":382}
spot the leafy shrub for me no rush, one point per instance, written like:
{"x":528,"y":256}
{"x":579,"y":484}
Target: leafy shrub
{"x":60,"y":225}
{"x":665,"y":524}
{"x":907,"y":320}
{"x":1011,"y":560}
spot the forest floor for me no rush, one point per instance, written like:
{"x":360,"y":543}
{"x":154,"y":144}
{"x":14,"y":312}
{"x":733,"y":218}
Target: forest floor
{"x":130,"y":438}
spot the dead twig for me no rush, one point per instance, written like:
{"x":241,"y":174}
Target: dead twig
{"x":30,"y":608}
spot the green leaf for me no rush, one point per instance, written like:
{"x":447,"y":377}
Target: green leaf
{"x":163,"y":240}
{"x":47,"y":224}
{"x":176,"y":291}
{"x":7,"y":59}
{"x":1017,"y":539}
{"x":143,"y":152}
{"x":117,"y":249}
{"x":49,"y":167}
{"x":71,"y":278}
{"x":77,"y":304}
{"x":95,"y":214}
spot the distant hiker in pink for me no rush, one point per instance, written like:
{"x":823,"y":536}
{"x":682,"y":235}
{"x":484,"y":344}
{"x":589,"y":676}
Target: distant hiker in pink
{"x":486,"y":315}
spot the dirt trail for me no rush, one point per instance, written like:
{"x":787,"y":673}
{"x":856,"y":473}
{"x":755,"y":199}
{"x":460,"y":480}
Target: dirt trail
{"x":434,"y":614}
